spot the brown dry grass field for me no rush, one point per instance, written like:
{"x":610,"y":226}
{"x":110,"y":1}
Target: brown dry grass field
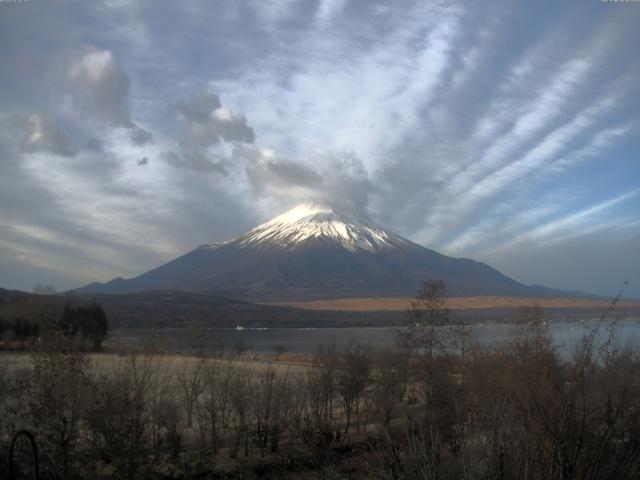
{"x":169,"y":363}
{"x":455,"y":303}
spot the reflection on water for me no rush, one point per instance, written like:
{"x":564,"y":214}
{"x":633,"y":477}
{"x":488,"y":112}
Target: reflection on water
{"x":307,"y":340}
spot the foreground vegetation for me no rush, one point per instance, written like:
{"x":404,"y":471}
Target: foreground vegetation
{"x":420,"y":411}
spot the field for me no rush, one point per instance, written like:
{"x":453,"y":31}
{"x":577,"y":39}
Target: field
{"x":454,"y":303}
{"x":168,"y":363}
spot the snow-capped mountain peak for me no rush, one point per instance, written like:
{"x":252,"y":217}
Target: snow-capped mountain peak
{"x":311,"y":221}
{"x":314,"y":252}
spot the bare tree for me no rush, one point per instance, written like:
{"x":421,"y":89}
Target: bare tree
{"x":427,"y":313}
{"x":190,"y":384}
{"x":270,"y":408}
{"x":390,"y":383}
{"x":321,"y":428}
{"x":354,"y":375}
{"x":118,"y":417}
{"x":240,"y":392}
{"x":214,"y":406}
{"x":56,"y":397}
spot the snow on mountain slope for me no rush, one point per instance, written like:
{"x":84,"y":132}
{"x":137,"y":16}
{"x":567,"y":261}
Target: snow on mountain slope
{"x":312,"y":222}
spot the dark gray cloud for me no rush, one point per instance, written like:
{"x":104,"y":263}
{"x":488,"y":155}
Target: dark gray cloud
{"x":206,"y":123}
{"x":338,"y":180}
{"x":270,"y":175}
{"x":346,"y":183}
{"x":140,"y":136}
{"x":198,"y":108}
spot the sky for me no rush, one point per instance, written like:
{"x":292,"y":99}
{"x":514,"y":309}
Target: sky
{"x":503,"y":131}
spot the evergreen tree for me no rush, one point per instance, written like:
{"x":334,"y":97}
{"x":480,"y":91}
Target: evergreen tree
{"x":89,"y":321}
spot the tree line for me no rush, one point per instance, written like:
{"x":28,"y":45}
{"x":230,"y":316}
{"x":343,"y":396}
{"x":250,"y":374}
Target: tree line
{"x":85,"y":323}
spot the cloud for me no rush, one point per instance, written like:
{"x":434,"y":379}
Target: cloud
{"x":273,"y":176}
{"x":201,"y":161}
{"x":209,"y":122}
{"x":575,"y":221}
{"x":101,"y":87}
{"x":42,"y":134}
{"x":198,"y":108}
{"x":208,"y":125}
{"x":216,"y":139}
{"x":143,"y":162}
{"x":549,"y":99}
{"x":346,"y":183}
{"x":70,"y":220}
{"x":328,"y":10}
{"x":339,"y":180}
{"x":140,"y":136}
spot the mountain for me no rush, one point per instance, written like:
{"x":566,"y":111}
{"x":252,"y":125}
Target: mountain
{"x":314,"y":252}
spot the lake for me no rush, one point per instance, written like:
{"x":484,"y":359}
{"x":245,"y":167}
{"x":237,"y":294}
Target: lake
{"x":566,"y":335}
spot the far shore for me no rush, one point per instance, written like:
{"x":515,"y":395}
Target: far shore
{"x":364,"y":304}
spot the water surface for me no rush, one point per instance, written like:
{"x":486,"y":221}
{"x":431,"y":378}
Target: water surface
{"x":566,"y":336}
